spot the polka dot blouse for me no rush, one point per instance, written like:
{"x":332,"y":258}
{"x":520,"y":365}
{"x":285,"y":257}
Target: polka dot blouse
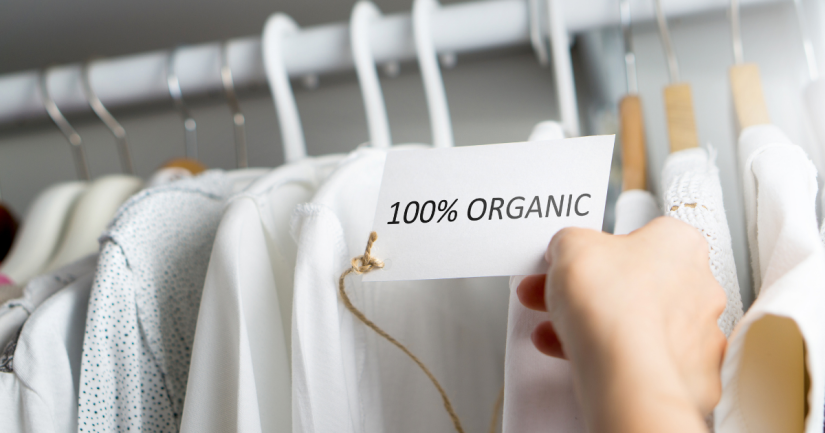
{"x":144,"y":305}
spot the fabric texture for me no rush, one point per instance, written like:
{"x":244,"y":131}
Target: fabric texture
{"x":144,"y":306}
{"x":39,"y":395}
{"x":240,"y":379}
{"x":348,"y":379}
{"x":538,"y":390}
{"x":14,"y":312}
{"x":693,"y":194}
{"x":783,"y":332}
{"x":5,"y":280}
{"x":634,"y":209}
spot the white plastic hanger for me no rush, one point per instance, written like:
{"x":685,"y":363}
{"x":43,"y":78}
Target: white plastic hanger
{"x":439,"y":111}
{"x":277,"y":28}
{"x":98,"y":204}
{"x":45,"y":224}
{"x":563,"y":68}
{"x":363,"y":15}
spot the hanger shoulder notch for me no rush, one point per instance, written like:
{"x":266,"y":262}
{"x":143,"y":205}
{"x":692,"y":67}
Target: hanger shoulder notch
{"x":634,"y":164}
{"x":747,"y":95}
{"x":681,"y":123}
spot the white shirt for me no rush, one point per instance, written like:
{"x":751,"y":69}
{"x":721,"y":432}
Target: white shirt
{"x":538,"y":389}
{"x":40,"y":394}
{"x":239,"y":379}
{"x":783,"y":332}
{"x":348,"y":379}
{"x":13,"y":313}
{"x":144,"y":306}
{"x":634,"y":209}
{"x":693,"y":194}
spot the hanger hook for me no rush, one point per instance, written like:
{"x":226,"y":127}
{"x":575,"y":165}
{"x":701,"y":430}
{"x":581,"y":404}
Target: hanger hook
{"x":664,"y":35}
{"x":563,"y":68}
{"x":439,"y":111}
{"x":736,"y":33}
{"x":807,"y":45}
{"x":238,"y":119}
{"x":292,"y":134}
{"x":76,"y":144}
{"x":536,"y":32}
{"x":107,"y":118}
{"x":189,"y":124}
{"x":363,"y":14}
{"x":629,"y":55}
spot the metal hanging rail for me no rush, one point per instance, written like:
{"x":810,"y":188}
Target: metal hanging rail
{"x":456,"y":28}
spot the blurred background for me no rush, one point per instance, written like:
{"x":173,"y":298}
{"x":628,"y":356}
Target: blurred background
{"x":494,"y":96}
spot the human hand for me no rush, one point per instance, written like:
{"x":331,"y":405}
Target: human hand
{"x":636,"y":316}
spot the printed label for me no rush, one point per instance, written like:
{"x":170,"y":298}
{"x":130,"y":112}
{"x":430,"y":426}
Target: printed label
{"x":485,"y":210}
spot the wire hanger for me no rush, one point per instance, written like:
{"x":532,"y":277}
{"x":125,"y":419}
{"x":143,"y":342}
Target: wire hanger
{"x":363,"y":14}
{"x":277,"y":28}
{"x":681,"y":124}
{"x":75,"y":142}
{"x":563,"y":68}
{"x":439,"y":111}
{"x":109,"y":120}
{"x":238,"y":119}
{"x":634,"y":160}
{"x":189,"y":124}
{"x":746,"y":84}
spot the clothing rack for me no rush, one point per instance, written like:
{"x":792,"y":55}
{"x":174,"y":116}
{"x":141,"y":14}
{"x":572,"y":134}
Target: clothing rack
{"x":457,"y":29}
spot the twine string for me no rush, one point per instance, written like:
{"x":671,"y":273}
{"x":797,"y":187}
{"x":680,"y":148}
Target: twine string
{"x":367,"y":263}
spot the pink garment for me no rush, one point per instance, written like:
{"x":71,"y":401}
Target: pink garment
{"x":5,"y":280}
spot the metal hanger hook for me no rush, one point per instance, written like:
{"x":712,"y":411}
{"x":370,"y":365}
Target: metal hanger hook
{"x":238,"y":119}
{"x":736,"y":33}
{"x":664,"y":34}
{"x":109,"y":120}
{"x":629,"y":55}
{"x":807,"y":45}
{"x":75,"y":142}
{"x":189,"y":124}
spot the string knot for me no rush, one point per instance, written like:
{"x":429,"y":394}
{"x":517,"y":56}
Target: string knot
{"x":367,"y":263}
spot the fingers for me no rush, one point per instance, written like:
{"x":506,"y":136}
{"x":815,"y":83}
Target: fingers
{"x":546,"y":341}
{"x":531,"y":292}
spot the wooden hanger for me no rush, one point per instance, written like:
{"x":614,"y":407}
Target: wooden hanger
{"x":632,"y":133}
{"x":681,"y":123}
{"x":746,"y":84}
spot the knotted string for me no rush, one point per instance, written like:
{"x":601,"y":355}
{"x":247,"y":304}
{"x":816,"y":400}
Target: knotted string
{"x":365,"y":264}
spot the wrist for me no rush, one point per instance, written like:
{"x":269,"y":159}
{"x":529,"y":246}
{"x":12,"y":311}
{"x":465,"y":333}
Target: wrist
{"x":632,"y":385}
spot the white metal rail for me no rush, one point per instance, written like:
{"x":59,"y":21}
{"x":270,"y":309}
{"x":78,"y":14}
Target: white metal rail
{"x":456,"y":28}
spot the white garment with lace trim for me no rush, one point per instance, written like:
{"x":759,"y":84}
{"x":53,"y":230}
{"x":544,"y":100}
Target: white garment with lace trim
{"x":693,"y":194}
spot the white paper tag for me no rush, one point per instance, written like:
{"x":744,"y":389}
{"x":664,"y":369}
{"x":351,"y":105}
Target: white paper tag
{"x":487,"y":210}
